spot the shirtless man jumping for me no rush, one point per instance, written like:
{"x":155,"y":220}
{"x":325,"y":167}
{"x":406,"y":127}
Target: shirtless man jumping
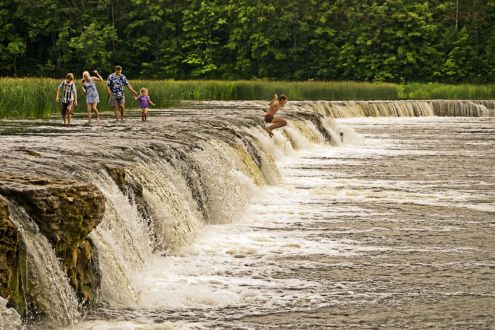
{"x":275,"y":105}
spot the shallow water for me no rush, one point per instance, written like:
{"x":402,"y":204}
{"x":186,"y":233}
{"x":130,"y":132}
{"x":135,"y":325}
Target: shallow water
{"x":392,"y":230}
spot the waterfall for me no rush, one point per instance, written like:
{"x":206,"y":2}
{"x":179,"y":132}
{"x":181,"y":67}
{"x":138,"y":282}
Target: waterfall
{"x":48,"y":285}
{"x":9,"y":318}
{"x":169,"y":199}
{"x":165,"y":180}
{"x":121,"y":241}
{"x":464,"y":108}
{"x":349,"y":109}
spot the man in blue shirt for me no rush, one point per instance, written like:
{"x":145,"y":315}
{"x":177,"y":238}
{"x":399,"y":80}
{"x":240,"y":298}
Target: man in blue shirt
{"x":116,"y":83}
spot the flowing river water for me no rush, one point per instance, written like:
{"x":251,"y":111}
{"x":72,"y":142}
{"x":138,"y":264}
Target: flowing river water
{"x":391,"y":228}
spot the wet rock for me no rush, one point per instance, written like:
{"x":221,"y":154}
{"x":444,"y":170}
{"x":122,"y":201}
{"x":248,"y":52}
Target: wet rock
{"x":29,"y":152}
{"x":65,"y":211}
{"x":12,"y":253}
{"x":131,"y":189}
{"x":117,"y":174}
{"x":87,"y":275}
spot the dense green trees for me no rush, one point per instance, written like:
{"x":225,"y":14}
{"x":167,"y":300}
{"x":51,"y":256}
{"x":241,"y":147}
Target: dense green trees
{"x":380,"y":40}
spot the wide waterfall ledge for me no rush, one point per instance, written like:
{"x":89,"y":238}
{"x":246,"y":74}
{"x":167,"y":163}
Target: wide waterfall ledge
{"x":82,"y":208}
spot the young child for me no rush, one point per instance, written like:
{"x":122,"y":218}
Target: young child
{"x":144,"y":101}
{"x":69,"y":97}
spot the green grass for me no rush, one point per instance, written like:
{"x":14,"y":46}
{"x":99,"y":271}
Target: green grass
{"x":27,"y":97}
{"x":35,"y":97}
{"x":261,"y":90}
{"x":446,"y":92}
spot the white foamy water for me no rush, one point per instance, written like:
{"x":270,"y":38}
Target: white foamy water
{"x":400,"y":215}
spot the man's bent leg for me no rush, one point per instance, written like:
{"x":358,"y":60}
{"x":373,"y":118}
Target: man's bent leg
{"x":277,"y":123}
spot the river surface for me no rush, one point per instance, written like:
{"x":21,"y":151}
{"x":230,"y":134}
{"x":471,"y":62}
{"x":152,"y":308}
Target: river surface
{"x":393,"y":229}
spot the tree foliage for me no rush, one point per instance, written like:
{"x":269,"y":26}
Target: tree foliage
{"x":384,"y":40}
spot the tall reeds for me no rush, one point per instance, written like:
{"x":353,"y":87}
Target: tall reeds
{"x":35,"y":97}
{"x":260,"y":89}
{"x":27,"y":97}
{"x":429,"y":91}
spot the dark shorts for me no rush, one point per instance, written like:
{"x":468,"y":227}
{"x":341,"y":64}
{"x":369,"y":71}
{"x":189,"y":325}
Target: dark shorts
{"x":66,"y":108}
{"x":114,"y":100}
{"x":268,"y":118}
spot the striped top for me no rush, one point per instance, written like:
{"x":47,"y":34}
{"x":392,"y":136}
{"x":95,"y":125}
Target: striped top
{"x":69,"y":91}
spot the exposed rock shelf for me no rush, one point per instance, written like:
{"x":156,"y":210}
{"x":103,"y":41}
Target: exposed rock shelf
{"x":65,"y":212}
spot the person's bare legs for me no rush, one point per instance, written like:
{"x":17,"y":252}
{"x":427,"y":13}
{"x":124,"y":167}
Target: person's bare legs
{"x":88,"y":112}
{"x":116,"y":111}
{"x":65,"y":114}
{"x":122,"y":110}
{"x":276,"y":123}
{"x":69,"y":114}
{"x":96,"y":111}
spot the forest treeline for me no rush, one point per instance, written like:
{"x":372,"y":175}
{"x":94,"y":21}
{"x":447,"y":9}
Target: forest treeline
{"x":448,"y":41}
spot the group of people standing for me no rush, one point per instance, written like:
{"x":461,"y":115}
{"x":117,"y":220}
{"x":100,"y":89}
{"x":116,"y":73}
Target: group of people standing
{"x":115,"y":86}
